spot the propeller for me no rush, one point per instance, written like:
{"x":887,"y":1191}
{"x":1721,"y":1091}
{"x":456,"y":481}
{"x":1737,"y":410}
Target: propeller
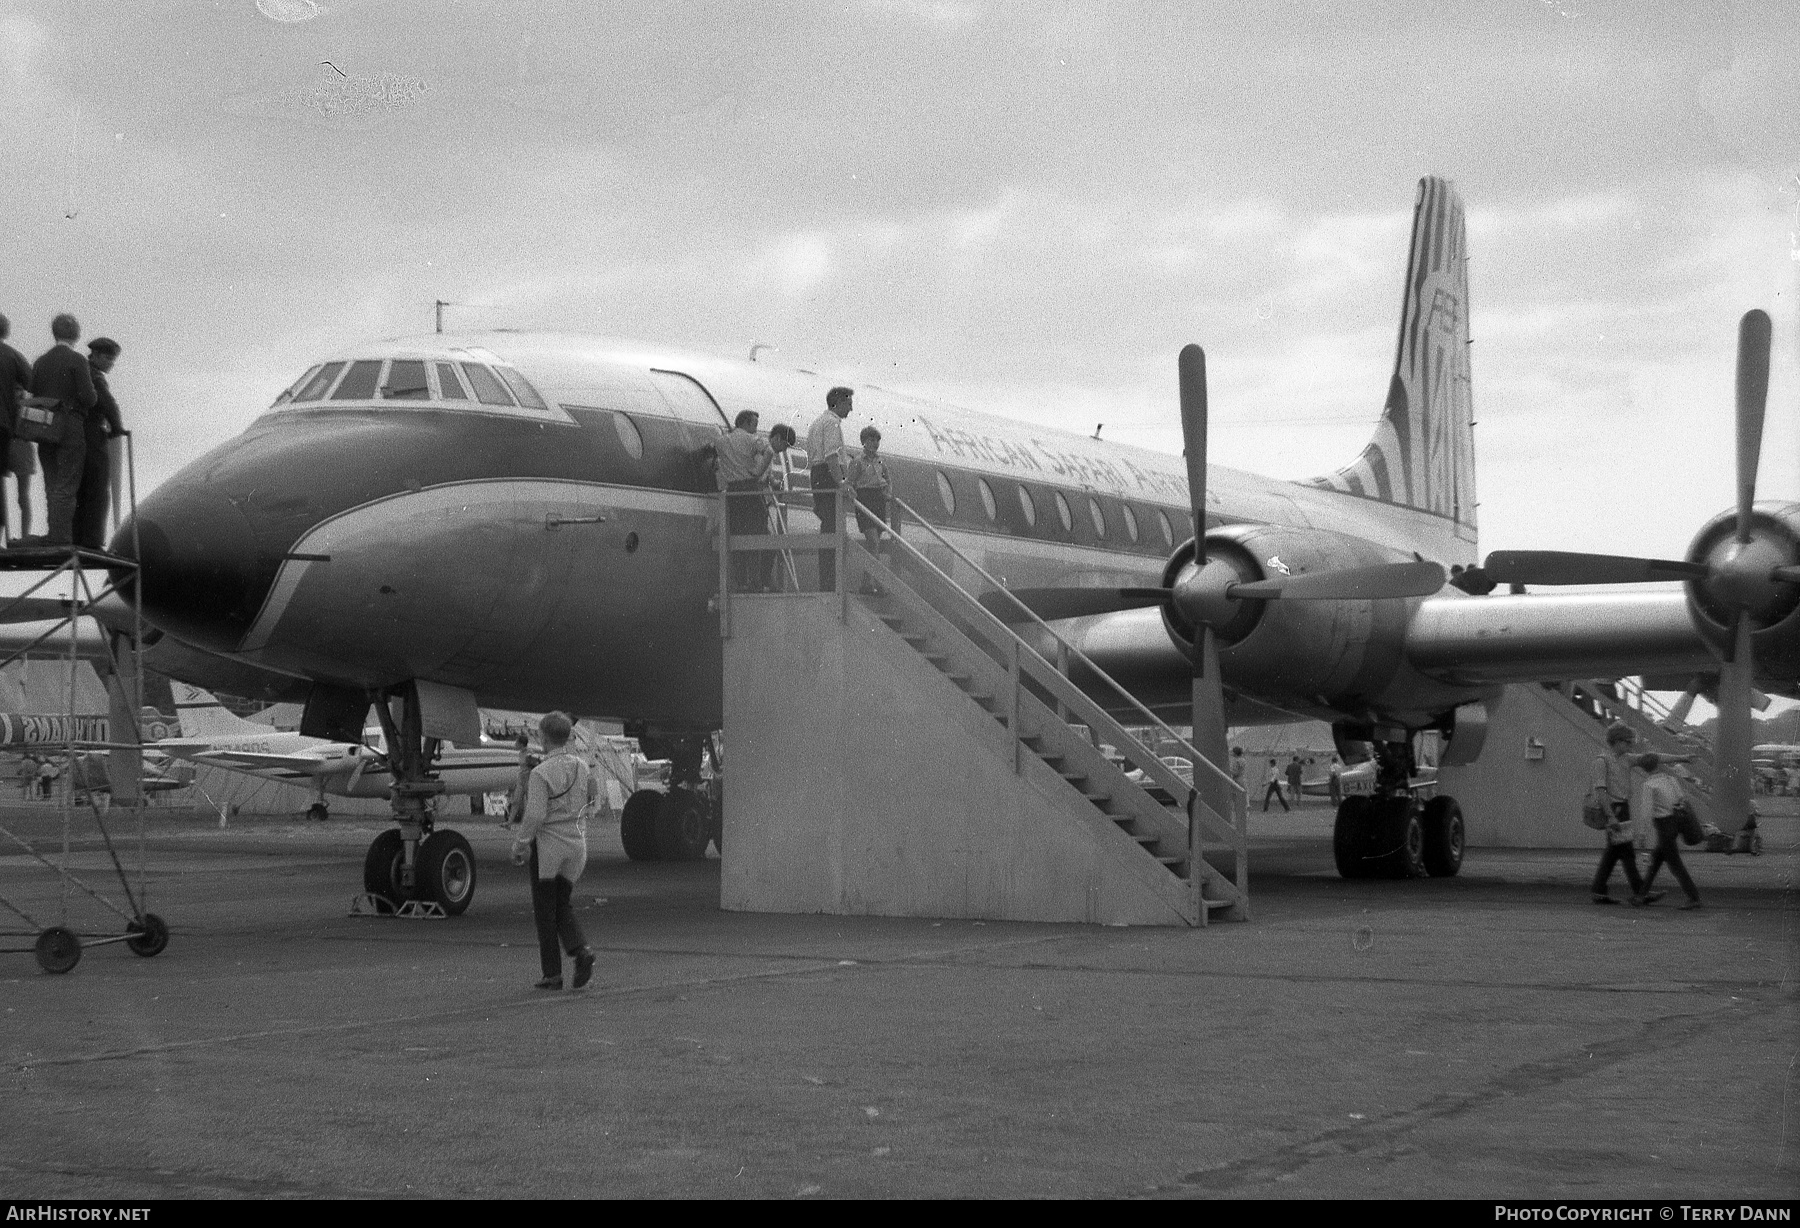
{"x":1208,"y":687}
{"x":1737,"y":577}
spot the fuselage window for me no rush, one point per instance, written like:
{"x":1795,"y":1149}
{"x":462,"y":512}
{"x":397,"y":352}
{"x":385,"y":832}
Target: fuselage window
{"x":946,"y":494}
{"x":521,"y":387}
{"x":629,"y":435}
{"x":406,"y":381}
{"x":317,"y":386}
{"x":1168,"y":530}
{"x":488,"y":390}
{"x":359,"y":381}
{"x":1063,"y":513}
{"x":450,"y":388}
{"x":293,"y":389}
{"x":987,"y":499}
{"x":1027,"y":506}
{"x":1131,"y":524}
{"x":1097,"y":516}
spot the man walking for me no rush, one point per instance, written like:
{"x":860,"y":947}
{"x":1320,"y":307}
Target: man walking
{"x":559,"y":797}
{"x":1273,"y":789}
{"x":1611,"y":789}
{"x":1663,"y":794}
{"x":825,"y":451}
{"x":64,"y":376}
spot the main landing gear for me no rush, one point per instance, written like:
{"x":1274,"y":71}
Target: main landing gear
{"x":416,"y":865}
{"x":1394,"y":834}
{"x":676,"y":825}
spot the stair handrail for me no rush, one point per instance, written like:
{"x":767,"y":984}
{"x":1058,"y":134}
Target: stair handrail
{"x":1152,"y":719}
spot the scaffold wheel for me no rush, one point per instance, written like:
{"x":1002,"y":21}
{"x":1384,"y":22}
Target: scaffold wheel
{"x":149,"y":935}
{"x":58,"y":949}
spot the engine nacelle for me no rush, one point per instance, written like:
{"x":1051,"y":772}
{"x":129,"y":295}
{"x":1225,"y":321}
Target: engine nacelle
{"x":1774,"y":606}
{"x":1308,"y":650}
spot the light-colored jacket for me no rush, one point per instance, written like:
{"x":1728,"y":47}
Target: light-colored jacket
{"x":559,"y":798}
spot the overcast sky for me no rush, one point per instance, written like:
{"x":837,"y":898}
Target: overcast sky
{"x":1019,"y":207}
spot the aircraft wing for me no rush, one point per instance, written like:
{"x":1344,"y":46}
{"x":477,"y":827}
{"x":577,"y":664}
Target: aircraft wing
{"x":256,"y":761}
{"x":1553,"y":637}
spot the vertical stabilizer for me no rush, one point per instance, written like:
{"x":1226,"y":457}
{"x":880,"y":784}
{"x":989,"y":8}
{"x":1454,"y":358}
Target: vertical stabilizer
{"x":1423,"y":453}
{"x":203,"y":716}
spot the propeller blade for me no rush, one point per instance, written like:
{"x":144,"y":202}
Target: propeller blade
{"x":1191,"y":367}
{"x":1564,"y":567}
{"x":1209,"y":735}
{"x":1049,"y":604}
{"x":1382,"y":581}
{"x":1752,"y":400}
{"x":111,"y":611}
{"x":1731,"y":746}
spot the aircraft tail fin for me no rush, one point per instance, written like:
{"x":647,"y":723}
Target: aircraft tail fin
{"x":203,"y":716}
{"x":1423,"y":453}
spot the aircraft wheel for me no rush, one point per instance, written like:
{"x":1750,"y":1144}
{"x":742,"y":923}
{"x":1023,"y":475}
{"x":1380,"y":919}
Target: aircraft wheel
{"x":149,"y":935}
{"x":1443,"y":822}
{"x":1350,"y":838}
{"x":446,"y":870}
{"x":318,"y":811}
{"x":637,"y":825}
{"x":1401,"y":833}
{"x":57,"y":949}
{"x":682,"y":826}
{"x":382,"y":865}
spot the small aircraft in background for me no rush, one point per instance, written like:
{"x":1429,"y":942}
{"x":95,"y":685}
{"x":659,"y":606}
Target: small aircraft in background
{"x":213,"y":736}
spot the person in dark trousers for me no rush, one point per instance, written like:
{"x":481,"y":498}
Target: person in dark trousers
{"x":553,"y":836}
{"x":15,"y":382}
{"x":1294,"y":771}
{"x":1335,"y":783}
{"x":65,"y":376}
{"x":744,"y":458}
{"x":1274,"y":788}
{"x":1664,"y":794}
{"x":1611,"y":788}
{"x":101,"y":425}
{"x":825,"y":452}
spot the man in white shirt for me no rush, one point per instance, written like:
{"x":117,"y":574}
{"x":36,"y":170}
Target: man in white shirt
{"x":1611,"y":787}
{"x":1661,"y":795}
{"x":744,"y":460}
{"x":825,"y":449}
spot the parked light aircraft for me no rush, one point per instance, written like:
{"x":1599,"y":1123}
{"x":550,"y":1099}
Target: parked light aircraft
{"x":520,"y":520}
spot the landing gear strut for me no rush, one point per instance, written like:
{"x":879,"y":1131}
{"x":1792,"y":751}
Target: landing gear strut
{"x":676,"y":825}
{"x":1392,"y":833}
{"x":416,"y":861}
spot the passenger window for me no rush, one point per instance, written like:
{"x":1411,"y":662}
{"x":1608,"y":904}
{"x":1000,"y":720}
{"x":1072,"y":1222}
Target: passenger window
{"x":359,"y":381}
{"x":521,"y":387}
{"x":316,"y":386}
{"x":406,"y":381}
{"x":293,"y":389}
{"x":987,"y":499}
{"x":1131,"y":524}
{"x":1063,"y":513}
{"x":1097,"y":516}
{"x":1168,"y":530}
{"x":1027,"y":506}
{"x":946,"y":494}
{"x":488,"y":390}
{"x":450,"y":388}
{"x":629,"y":435}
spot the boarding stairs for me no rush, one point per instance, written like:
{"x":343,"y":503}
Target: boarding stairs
{"x":1625,"y":701}
{"x":1186,"y":840}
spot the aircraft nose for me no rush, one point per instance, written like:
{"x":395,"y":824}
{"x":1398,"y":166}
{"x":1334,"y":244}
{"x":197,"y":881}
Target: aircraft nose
{"x":203,"y":580}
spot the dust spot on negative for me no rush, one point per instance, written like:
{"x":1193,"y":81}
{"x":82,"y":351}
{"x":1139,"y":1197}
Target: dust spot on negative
{"x":290,"y":10}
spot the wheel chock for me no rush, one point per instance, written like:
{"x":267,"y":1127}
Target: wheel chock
{"x":369,"y":904}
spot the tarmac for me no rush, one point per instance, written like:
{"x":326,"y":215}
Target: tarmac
{"x":1489,"y":1036}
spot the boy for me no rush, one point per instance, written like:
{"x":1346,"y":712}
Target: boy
{"x":867,"y":474}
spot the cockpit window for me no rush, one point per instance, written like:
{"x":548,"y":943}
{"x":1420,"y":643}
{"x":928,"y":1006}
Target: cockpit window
{"x":359,"y":381}
{"x":488,"y":390}
{"x":528,"y":396}
{"x":293,"y":389}
{"x":450,"y":387}
{"x":406,"y":381}
{"x":315,"y":388}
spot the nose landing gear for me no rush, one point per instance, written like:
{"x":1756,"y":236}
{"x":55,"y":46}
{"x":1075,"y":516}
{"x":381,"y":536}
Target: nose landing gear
{"x":1393,"y":833}
{"x":415,"y":868}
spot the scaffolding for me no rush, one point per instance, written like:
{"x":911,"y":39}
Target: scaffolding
{"x":103,"y":624}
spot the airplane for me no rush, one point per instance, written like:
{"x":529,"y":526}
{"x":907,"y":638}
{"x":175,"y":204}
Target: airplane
{"x":213,"y":736}
{"x":517,"y":519}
